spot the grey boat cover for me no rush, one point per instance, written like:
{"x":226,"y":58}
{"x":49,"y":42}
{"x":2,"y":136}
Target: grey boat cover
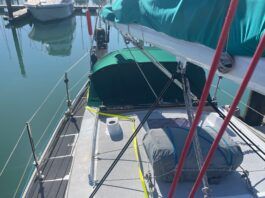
{"x":164,"y":145}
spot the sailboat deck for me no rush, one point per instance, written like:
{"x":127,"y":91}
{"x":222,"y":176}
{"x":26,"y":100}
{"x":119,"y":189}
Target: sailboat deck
{"x":57,"y":161}
{"x":124,"y":180}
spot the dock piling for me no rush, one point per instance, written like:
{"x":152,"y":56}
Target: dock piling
{"x":9,"y":9}
{"x":36,"y":162}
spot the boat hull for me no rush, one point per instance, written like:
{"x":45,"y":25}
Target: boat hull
{"x":50,"y":12}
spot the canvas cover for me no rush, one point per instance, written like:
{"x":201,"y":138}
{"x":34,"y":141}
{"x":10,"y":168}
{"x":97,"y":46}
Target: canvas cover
{"x":197,"y":21}
{"x":117,"y":81}
{"x":164,"y":145}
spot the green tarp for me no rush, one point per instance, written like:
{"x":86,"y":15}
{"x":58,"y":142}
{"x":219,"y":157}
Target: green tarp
{"x":117,"y":81}
{"x":197,"y":21}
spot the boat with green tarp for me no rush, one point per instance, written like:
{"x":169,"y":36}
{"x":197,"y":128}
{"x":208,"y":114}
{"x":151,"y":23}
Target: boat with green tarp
{"x":117,"y":81}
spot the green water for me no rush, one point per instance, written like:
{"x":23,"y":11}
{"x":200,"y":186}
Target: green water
{"x":33,"y":57}
{"x":31,"y":64}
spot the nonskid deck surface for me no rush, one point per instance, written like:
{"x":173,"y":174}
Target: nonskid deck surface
{"x":57,"y":163}
{"x":124,"y":180}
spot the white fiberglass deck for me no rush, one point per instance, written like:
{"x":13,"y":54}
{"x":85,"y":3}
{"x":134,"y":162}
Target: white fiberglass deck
{"x":124,"y":180}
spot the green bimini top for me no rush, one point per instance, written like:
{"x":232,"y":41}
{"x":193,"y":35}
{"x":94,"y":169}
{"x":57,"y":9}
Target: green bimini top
{"x":117,"y":81}
{"x":125,"y":56}
{"x":197,"y":21}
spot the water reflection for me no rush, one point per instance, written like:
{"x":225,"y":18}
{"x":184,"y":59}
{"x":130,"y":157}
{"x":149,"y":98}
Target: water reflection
{"x":18,"y":51}
{"x":57,"y":36}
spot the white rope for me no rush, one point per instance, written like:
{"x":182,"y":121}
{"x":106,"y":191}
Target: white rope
{"x":12,"y":152}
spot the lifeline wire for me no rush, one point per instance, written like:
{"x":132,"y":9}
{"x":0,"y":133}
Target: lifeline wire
{"x":38,"y":109}
{"x":13,"y":150}
{"x":55,"y":86}
{"x":241,"y":102}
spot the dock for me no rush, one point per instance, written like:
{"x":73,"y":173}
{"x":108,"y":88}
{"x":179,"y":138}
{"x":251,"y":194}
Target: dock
{"x":77,"y":7}
{"x":20,"y":11}
{"x":19,"y":14}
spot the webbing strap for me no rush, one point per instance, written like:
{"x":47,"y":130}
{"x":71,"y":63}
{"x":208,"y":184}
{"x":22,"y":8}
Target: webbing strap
{"x":96,"y":111}
{"x":140,"y":168}
{"x":135,"y":143}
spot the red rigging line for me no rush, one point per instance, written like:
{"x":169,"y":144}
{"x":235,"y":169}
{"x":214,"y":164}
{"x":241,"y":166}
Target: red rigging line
{"x":221,"y":42}
{"x":89,"y":24}
{"x":240,"y":92}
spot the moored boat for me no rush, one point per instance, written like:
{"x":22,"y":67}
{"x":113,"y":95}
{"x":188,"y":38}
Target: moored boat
{"x":47,"y":10}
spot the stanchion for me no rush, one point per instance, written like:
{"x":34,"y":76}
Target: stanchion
{"x":36,"y":163}
{"x":69,"y":111}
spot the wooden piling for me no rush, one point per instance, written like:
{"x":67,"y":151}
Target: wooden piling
{"x":9,"y":9}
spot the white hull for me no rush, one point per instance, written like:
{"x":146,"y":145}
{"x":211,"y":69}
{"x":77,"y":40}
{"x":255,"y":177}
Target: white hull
{"x":197,"y":54}
{"x":50,"y":12}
